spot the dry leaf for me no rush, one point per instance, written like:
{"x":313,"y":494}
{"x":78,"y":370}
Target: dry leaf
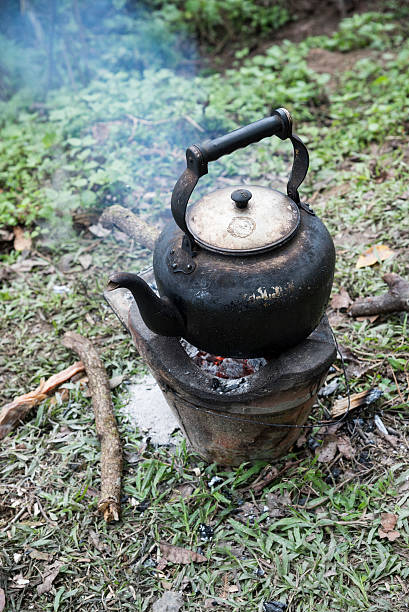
{"x":99,"y":231}
{"x":391,"y":535}
{"x":341,"y":300}
{"x":25,"y":265}
{"x":336,"y":318}
{"x":166,"y":585}
{"x":388,"y":522}
{"x":267,"y":478}
{"x":326,"y":452}
{"x":212,"y":603}
{"x":345,"y":447}
{"x":375,"y":254}
{"x":162,"y":563}
{"x":85,"y":261}
{"x":301,"y":440}
{"x":370,"y":318}
{"x":184,"y":490}
{"x":41,"y":556}
{"x":404,"y":487}
{"x":115,"y":381}
{"x":176,"y":554}
{"x":20,"y":582}
{"x":22,"y":241}
{"x":2,"y":600}
{"x":278,"y":504}
{"x":169,"y":602}
{"x":101,"y":546}
{"x":53,"y":571}
{"x":6,"y":236}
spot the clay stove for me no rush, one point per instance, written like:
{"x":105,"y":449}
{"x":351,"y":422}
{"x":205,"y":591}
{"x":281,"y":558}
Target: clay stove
{"x":232,"y":420}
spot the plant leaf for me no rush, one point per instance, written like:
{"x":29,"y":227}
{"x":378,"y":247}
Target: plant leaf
{"x":327,"y":451}
{"x":169,"y":602}
{"x":22,"y":241}
{"x":176,"y":554}
{"x":375,"y":254}
{"x":345,"y":447}
{"x":341,"y":300}
{"x":388,"y":521}
{"x":53,"y":571}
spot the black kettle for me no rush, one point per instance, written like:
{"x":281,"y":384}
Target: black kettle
{"x":245,"y":271}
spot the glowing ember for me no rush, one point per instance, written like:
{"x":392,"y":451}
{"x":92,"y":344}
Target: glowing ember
{"x":223,"y":367}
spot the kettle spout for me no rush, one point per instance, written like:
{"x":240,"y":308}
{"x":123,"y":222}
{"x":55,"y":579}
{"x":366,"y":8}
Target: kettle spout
{"x":159,"y":314}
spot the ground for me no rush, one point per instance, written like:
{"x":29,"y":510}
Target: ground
{"x":324,"y":528}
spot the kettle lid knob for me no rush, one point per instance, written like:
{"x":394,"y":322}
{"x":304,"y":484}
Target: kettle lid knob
{"x":241,"y":197}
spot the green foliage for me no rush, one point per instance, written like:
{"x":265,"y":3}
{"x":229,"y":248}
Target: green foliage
{"x":211,"y":19}
{"x":84,"y":38}
{"x":367,"y":30}
{"x":280,"y":77}
{"x":371,"y":103}
{"x":124,"y":133}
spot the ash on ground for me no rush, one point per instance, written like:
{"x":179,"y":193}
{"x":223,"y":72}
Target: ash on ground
{"x":148,"y":410}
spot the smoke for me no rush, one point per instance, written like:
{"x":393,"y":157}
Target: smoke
{"x":111,"y":87}
{"x":48,"y":43}
{"x":114,"y":98}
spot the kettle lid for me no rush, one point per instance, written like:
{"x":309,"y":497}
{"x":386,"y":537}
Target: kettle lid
{"x":243,"y":220}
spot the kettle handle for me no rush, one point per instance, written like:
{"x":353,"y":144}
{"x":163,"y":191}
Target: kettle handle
{"x":198,"y":157}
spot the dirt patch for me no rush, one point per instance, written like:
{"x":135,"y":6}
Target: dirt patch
{"x":315,"y":18}
{"x":335,"y":63}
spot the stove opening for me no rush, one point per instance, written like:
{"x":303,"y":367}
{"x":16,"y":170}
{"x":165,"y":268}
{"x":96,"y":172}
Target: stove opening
{"x":223,"y":367}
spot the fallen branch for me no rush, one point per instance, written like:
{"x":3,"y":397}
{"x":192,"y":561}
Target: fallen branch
{"x":17,"y":410}
{"x":130,"y":224}
{"x":105,"y":423}
{"x":395,"y":300}
{"x":364,"y":398}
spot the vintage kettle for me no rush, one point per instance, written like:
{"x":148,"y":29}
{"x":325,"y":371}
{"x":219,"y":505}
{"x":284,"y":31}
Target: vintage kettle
{"x":245,"y":271}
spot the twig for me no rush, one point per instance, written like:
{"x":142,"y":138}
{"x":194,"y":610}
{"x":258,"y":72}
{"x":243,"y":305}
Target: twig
{"x":53,"y":523}
{"x":105,"y":423}
{"x":138,"y":121}
{"x":17,"y":410}
{"x":397,"y":386}
{"x":130,"y":224}
{"x":15,"y":518}
{"x":395,"y":300}
{"x":193,"y":122}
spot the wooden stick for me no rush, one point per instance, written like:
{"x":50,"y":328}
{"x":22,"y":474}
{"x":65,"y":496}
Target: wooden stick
{"x":105,"y":423}
{"x":17,"y":410}
{"x":130,"y":224}
{"x":395,"y":300}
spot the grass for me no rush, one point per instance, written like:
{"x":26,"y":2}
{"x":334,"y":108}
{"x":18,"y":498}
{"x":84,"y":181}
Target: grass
{"x":309,"y":540}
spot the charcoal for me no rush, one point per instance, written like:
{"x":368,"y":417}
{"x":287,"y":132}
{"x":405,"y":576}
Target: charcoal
{"x":274,"y":606}
{"x":206,"y":532}
{"x":373,"y":396}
